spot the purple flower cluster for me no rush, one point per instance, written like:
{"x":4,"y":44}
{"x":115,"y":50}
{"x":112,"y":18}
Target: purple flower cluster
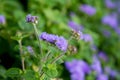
{"x":87,"y":38}
{"x":60,"y":42}
{"x":78,"y":69}
{"x":106,"y":33}
{"x":76,"y":27}
{"x":89,"y":10}
{"x":102,"y":56}
{"x":2,"y":19}
{"x":102,"y":77}
{"x":109,"y":4}
{"x":30,"y":50}
{"x":110,"y":72}
{"x":96,"y":65}
{"x":117,"y":30}
{"x":30,"y":18}
{"x":110,"y":20}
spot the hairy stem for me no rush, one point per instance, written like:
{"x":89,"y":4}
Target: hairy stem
{"x":39,"y":44}
{"x":21,"y":53}
{"x":57,"y":58}
{"x":37,"y":36}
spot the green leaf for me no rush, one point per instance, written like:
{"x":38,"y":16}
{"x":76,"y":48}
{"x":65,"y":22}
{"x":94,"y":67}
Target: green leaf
{"x":51,"y":70}
{"x":30,"y":75}
{"x":16,"y":38}
{"x":2,"y":72}
{"x":13,"y":72}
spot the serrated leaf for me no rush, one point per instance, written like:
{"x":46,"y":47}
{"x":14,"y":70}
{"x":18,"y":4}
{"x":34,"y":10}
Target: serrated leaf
{"x":51,"y":70}
{"x":30,"y":75}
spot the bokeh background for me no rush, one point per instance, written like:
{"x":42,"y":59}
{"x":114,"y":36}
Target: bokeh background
{"x":97,"y":19}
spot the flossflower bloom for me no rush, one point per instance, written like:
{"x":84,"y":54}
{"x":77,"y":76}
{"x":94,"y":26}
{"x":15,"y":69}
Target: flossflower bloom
{"x":77,"y":69}
{"x":76,"y":28}
{"x":30,"y":18}
{"x":102,"y":77}
{"x":89,"y":10}
{"x":87,"y":38}
{"x":102,"y":55}
{"x":60,"y":42}
{"x":96,"y":65}
{"x":2,"y":19}
{"x":110,"y":20}
{"x":30,"y":50}
{"x":109,"y":4}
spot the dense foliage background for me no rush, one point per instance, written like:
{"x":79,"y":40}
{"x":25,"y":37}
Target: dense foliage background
{"x":54,"y":17}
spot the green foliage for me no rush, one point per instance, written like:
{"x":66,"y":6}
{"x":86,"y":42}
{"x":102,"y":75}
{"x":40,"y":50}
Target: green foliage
{"x":13,"y":72}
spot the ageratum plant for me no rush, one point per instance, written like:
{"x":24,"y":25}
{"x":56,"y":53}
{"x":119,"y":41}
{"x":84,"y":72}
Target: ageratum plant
{"x":47,"y":61}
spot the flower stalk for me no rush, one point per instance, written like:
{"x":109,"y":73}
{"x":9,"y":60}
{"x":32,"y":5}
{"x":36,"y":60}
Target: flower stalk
{"x":21,"y":54}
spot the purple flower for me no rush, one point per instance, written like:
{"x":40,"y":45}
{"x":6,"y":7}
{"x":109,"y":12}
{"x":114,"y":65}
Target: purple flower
{"x":87,"y":38}
{"x":77,"y":76}
{"x":76,"y":27}
{"x":60,"y":42}
{"x":48,"y":37}
{"x":110,"y":20}
{"x":103,"y":56}
{"x":78,"y":69}
{"x":96,"y":65}
{"x":110,"y":72}
{"x":30,"y":50}
{"x":88,"y":9}
{"x":30,"y":18}
{"x":117,"y":30}
{"x":2,"y":19}
{"x":94,"y":47}
{"x":102,"y":77}
{"x":109,"y":4}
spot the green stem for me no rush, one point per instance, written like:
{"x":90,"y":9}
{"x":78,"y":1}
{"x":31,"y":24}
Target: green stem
{"x":39,"y":44}
{"x":57,"y":58}
{"x":44,"y":60}
{"x":21,"y":53}
{"x":37,"y":36}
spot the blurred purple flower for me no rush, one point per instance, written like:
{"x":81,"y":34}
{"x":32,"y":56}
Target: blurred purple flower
{"x":77,"y":76}
{"x":30,"y":18}
{"x":96,"y":65}
{"x":88,"y":9}
{"x":102,"y":56}
{"x":117,"y":30}
{"x":110,"y":20}
{"x":106,"y":33}
{"x":94,"y":47}
{"x":30,"y":50}
{"x":109,"y":4}
{"x":102,"y":77}
{"x":78,"y":69}
{"x":76,"y":27}
{"x":60,"y":42}
{"x":110,"y":72}
{"x":87,"y":38}
{"x":48,"y":37}
{"x":2,"y":19}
